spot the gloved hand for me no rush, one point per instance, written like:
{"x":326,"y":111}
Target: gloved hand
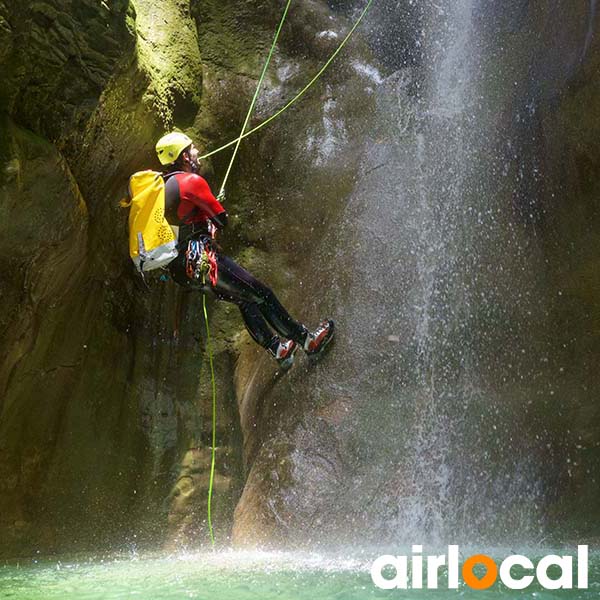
{"x":221,"y":197}
{"x":212,"y":230}
{"x":211,"y":244}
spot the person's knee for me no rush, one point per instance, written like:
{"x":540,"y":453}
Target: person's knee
{"x":266,"y":294}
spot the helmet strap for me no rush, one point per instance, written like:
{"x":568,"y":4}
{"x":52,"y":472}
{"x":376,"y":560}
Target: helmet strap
{"x":193,"y":165}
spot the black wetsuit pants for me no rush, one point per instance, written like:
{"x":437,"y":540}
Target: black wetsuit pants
{"x":258,"y":304}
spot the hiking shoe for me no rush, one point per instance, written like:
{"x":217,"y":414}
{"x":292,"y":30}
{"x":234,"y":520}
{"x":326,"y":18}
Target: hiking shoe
{"x":284,"y":354}
{"x":317,"y":341}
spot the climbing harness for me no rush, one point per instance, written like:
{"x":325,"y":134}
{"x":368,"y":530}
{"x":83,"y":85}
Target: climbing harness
{"x":200,"y":260}
{"x":204,"y":270}
{"x":210,"y":263}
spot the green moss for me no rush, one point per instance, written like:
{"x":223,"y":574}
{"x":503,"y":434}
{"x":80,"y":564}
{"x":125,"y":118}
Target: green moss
{"x":234,"y":36}
{"x":167,"y":50}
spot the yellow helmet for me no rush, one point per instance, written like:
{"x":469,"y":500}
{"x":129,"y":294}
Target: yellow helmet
{"x":170,"y":146}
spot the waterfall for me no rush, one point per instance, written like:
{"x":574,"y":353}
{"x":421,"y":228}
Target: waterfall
{"x":443,"y":413}
{"x":590,"y":29}
{"x":447,"y":308}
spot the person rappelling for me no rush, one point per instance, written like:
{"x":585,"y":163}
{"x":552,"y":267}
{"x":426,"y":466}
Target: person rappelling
{"x":185,"y":201}
{"x":173,"y":221}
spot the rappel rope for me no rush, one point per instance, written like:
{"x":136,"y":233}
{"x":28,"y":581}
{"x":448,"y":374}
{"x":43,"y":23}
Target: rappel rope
{"x":252,"y":104}
{"x":237,"y":141}
{"x":300,"y":93}
{"x":221,"y":192}
{"x":214,"y":416}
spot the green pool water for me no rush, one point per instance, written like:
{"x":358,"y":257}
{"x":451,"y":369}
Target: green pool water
{"x":235,"y":575}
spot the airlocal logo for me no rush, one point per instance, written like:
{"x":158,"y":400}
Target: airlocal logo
{"x":493,"y":570}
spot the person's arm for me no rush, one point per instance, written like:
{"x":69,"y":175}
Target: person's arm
{"x":203,"y":197}
{"x":220,"y":220}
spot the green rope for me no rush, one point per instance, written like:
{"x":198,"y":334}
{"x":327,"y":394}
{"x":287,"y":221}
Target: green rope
{"x":214,"y":417}
{"x":208,"y":343}
{"x":301,"y":92}
{"x":237,"y":141}
{"x":258,"y":86}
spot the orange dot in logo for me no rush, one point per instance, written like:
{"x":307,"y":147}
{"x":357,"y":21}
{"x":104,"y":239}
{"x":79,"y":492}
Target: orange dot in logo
{"x":487,"y":580}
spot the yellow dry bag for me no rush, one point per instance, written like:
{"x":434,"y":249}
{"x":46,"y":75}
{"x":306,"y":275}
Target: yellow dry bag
{"x":152,"y":242}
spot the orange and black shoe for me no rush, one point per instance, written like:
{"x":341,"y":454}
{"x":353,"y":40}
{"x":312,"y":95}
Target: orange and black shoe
{"x":283,"y":352}
{"x":316,"y":342}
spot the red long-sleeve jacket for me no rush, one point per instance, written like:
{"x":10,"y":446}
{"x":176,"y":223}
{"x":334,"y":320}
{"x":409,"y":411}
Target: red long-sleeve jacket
{"x":189,"y":201}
